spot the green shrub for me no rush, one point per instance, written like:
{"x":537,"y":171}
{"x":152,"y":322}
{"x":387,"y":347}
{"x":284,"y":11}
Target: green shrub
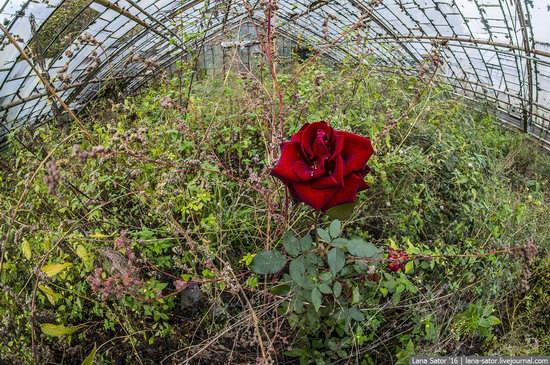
{"x":140,"y":245}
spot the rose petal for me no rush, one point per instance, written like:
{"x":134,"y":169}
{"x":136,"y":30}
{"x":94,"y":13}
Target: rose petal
{"x":285,"y":168}
{"x":315,"y":198}
{"x":309,"y":136}
{"x":320,"y":146}
{"x":339,"y":170}
{"x":336,"y":178}
{"x":297,"y":137}
{"x":347,"y":193}
{"x":338,"y":144}
{"x":325,"y":182}
{"x":303,"y":171}
{"x":356,"y":152}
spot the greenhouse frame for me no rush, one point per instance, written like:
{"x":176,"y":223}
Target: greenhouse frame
{"x":494,"y":50}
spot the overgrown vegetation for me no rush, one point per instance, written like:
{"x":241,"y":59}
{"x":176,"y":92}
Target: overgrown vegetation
{"x":136,"y":248}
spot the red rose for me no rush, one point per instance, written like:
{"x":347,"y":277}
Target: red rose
{"x":323,"y":167}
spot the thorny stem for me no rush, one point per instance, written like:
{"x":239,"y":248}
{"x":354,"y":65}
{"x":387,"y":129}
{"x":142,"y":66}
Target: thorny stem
{"x":273,"y":5}
{"x":266,"y":49}
{"x":431,"y":257}
{"x":315,"y":226}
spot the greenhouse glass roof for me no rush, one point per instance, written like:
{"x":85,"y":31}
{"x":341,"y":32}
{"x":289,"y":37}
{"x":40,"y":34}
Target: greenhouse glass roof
{"x":494,"y":50}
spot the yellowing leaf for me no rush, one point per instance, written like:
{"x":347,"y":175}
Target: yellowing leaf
{"x":89,"y":360}
{"x":409,"y":266}
{"x":26,"y":249}
{"x":56,"y":330}
{"x":52,"y":296}
{"x":54,"y":269}
{"x":98,"y":235}
{"x":83,"y":254}
{"x":7,"y":266}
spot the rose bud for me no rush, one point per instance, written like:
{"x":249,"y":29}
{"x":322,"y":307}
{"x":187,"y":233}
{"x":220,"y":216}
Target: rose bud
{"x":323,"y":167}
{"x":396,"y":260}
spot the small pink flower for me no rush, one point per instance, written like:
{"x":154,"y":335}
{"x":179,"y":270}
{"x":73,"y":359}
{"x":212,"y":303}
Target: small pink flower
{"x":180,"y":284}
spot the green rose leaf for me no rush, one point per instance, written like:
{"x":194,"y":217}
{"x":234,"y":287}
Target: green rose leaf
{"x":341,"y":212}
{"x":356,"y":314}
{"x":337,"y":289}
{"x":268,"y":262}
{"x":325,"y":276}
{"x":339,"y":242}
{"x":297,"y":271}
{"x":336,"y":260}
{"x":325,"y":289}
{"x":359,"y":248}
{"x":316,"y":298}
{"x":335,"y":228}
{"x":306,"y":243}
{"x":291,"y":244}
{"x":323,"y":235}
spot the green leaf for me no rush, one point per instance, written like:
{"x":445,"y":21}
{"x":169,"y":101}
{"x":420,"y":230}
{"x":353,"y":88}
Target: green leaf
{"x":325,"y":276}
{"x":306,"y":243}
{"x":297,"y":271}
{"x":54,"y":269}
{"x":8,"y":266}
{"x":483,"y":322}
{"x":52,"y":296}
{"x":396,"y":298}
{"x":268,"y":262}
{"x":56,"y":330}
{"x":324,"y":288}
{"x":493,"y":321}
{"x":356,"y":314}
{"x":358,"y":247}
{"x":355,"y":295}
{"x":316,"y":298}
{"x":298,"y":304}
{"x":291,"y":244}
{"x":84,"y":255}
{"x":335,"y":228}
{"x":89,"y":360}
{"x":337,"y":289}
{"x":489,"y":308}
{"x":409,"y":266}
{"x":336,"y":260}
{"x":384,"y":291}
{"x":26,"y":249}
{"x":339,"y":242}
{"x":281,"y":289}
{"x":313,"y":260}
{"x":323,"y":235}
{"x":342,"y":211}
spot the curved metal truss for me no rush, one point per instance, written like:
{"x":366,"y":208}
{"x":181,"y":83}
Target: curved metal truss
{"x":494,"y":50}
